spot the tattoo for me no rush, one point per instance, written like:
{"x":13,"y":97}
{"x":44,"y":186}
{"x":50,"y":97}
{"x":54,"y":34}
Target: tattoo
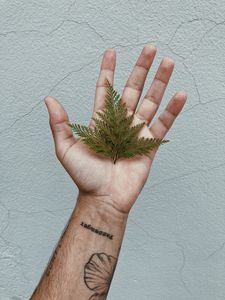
{"x":98,"y":273}
{"x":50,"y":265}
{"x":52,"y":260}
{"x":98,"y":231}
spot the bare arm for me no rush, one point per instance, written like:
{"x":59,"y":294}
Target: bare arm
{"x":83,"y":263}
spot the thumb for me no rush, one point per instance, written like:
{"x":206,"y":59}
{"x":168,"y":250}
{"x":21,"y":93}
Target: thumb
{"x":62,"y":133}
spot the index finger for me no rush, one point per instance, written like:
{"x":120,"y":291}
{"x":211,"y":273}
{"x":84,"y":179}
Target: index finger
{"x":106,"y":71}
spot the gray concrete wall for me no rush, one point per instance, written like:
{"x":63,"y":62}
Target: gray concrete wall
{"x":174,"y":247}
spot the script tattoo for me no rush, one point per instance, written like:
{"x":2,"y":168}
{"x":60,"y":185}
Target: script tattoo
{"x":52,"y":259}
{"x":50,"y":265}
{"x":98,"y":231}
{"x":98,"y":273}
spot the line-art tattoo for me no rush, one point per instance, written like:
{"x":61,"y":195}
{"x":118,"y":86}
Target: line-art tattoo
{"x":98,"y":231}
{"x":98,"y":273}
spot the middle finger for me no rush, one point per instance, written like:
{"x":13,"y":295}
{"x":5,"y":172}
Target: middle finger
{"x":135,"y":83}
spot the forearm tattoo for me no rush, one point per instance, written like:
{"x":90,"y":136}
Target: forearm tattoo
{"x":98,"y":273}
{"x":50,"y":265}
{"x":52,"y":261}
{"x":98,"y":231}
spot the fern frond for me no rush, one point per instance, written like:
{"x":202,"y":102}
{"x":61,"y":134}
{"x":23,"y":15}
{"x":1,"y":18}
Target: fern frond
{"x":113,"y":136}
{"x":81,"y":130}
{"x":143,"y":146}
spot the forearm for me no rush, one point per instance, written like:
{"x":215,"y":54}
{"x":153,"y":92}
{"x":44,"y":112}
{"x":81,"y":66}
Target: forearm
{"x":86,"y":255}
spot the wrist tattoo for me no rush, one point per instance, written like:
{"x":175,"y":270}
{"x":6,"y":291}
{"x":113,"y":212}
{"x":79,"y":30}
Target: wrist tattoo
{"x":98,"y":273}
{"x":98,"y":231}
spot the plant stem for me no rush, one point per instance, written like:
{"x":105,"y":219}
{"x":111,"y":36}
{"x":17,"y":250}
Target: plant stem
{"x":115,"y":158}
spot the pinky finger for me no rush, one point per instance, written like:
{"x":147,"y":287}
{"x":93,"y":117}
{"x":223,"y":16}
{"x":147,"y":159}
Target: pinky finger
{"x":165,"y":120}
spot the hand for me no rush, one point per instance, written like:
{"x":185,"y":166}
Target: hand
{"x":120,"y":183}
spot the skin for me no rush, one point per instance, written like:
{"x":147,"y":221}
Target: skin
{"x":107,"y":191}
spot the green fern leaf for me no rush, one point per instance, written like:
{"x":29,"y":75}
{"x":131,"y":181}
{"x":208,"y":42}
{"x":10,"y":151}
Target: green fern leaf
{"x":113,"y":136}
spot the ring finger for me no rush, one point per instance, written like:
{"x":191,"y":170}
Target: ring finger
{"x":152,"y":100}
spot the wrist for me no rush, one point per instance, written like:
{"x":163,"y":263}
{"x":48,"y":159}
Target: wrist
{"x":99,"y":207}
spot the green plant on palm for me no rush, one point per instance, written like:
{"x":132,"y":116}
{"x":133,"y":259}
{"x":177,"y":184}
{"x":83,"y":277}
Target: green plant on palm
{"x":113,"y":136}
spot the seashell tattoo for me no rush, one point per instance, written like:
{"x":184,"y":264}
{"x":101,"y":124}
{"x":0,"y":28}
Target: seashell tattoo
{"x":98,"y":273}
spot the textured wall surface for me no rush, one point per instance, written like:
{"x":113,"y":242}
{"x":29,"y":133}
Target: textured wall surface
{"x":174,"y":247}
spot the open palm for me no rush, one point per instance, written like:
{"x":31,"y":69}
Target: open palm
{"x":95,"y":174}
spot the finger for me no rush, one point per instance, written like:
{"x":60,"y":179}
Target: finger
{"x":106,"y":71}
{"x":151,"y":101}
{"x":165,"y":120}
{"x":135,"y":83}
{"x":62,"y":133}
